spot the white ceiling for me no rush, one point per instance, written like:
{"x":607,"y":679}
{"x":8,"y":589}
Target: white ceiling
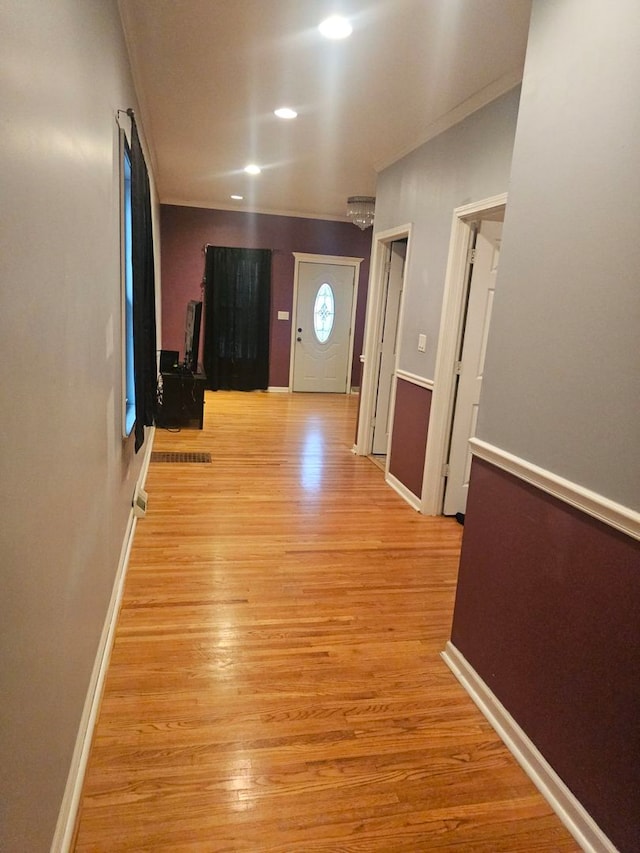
{"x":209,"y":74}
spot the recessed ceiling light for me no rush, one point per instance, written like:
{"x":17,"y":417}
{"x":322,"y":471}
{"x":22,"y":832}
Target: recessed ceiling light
{"x":285,"y":112}
{"x":237,"y":197}
{"x":336,"y":27}
{"x":252,"y":169}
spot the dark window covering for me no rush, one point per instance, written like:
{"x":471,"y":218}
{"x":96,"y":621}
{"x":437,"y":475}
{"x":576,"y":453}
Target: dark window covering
{"x":144,"y":298}
{"x":237,"y":311}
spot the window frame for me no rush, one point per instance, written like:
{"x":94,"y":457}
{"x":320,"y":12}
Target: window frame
{"x":126,"y":289}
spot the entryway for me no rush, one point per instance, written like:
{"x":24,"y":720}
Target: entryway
{"x":325,"y":292}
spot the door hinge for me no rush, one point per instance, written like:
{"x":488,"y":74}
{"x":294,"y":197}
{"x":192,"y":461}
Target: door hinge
{"x":458,"y":368}
{"x":445,"y":469}
{"x":373,"y":423}
{"x":387,"y":267}
{"x":471,"y":255}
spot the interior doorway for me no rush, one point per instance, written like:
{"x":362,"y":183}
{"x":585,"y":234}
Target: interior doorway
{"x":470,"y":370}
{"x":389,"y":261}
{"x":388,"y":345}
{"x":457,"y":304}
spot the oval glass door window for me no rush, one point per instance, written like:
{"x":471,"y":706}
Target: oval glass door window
{"x":323,"y":312}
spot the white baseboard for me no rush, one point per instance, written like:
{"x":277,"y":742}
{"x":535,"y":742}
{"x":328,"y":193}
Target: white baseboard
{"x":403,"y":491}
{"x":278,"y":389}
{"x":564,"y":803}
{"x":65,"y":827}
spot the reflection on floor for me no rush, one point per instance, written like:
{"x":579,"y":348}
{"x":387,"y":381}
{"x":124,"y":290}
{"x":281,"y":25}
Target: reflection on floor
{"x":276,"y":684}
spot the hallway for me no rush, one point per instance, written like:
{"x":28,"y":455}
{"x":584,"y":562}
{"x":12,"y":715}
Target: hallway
{"x":275,"y":683}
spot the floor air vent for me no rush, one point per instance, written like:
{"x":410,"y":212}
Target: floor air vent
{"x":180,"y":457}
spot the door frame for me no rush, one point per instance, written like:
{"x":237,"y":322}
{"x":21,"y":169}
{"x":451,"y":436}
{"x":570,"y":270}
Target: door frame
{"x":373,"y":324}
{"x":336,"y":260}
{"x":383,"y":340}
{"x":465,"y":219}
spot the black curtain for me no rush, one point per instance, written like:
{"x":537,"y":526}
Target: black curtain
{"x":144,"y":297}
{"x":237,"y":310}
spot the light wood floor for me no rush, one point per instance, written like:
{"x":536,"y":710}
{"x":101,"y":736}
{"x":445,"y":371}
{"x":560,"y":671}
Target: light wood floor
{"x":276,"y":683}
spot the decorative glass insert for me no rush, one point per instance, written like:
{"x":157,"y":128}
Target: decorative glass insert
{"x":323,"y":312}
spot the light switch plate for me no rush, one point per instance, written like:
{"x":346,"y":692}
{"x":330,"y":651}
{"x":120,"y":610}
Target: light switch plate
{"x":283,"y":315}
{"x":422,"y":343}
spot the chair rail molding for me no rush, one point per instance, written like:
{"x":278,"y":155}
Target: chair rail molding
{"x":614,"y":514}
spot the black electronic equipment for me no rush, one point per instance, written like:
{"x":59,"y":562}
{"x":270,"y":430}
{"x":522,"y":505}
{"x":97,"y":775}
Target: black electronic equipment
{"x":192,"y":335}
{"x":181,"y":399}
{"x":169,"y":360}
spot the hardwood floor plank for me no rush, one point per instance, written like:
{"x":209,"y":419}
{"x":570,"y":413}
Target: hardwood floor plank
{"x":275,"y":683}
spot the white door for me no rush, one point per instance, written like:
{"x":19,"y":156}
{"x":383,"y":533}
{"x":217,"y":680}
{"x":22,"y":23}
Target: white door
{"x":387,"y":345}
{"x":476,"y":330}
{"x":322,"y":337}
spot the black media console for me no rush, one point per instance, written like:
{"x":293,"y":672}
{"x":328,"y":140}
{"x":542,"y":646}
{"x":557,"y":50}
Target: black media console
{"x":181,"y":398}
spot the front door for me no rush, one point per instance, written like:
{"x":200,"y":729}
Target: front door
{"x":322,"y":340}
{"x":476,"y":330}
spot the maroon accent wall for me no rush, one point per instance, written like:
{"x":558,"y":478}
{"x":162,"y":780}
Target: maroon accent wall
{"x":409,"y":441}
{"x":185,"y":230}
{"x":548,"y":613}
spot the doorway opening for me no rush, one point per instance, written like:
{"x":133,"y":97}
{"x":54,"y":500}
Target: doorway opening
{"x":388,"y":348}
{"x":466,"y":313}
{"x":384,"y":319}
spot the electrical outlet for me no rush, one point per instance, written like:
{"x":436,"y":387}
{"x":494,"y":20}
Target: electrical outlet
{"x":140,"y":499}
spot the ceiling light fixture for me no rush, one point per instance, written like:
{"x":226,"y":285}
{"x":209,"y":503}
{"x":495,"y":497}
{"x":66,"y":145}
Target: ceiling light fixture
{"x":336,"y":27}
{"x":252,"y":169}
{"x":285,"y":112}
{"x":361,"y":210}
{"x":237,"y":197}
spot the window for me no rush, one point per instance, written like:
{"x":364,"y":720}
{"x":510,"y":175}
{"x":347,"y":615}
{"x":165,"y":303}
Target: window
{"x":138,"y":300}
{"x":323,"y":312}
{"x":129,"y":388}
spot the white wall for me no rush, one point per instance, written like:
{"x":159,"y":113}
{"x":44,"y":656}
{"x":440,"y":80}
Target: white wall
{"x":562,"y":381}
{"x":66,"y":475}
{"x":469,"y":162}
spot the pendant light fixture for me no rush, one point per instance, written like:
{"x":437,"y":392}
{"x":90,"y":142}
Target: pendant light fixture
{"x":361,"y":210}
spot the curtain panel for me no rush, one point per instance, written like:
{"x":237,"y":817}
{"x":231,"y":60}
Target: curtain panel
{"x":237,"y":312}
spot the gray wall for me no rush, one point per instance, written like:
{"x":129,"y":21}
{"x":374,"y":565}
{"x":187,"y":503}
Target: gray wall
{"x":469,"y":162}
{"x":67,"y":475}
{"x":562,"y":381}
